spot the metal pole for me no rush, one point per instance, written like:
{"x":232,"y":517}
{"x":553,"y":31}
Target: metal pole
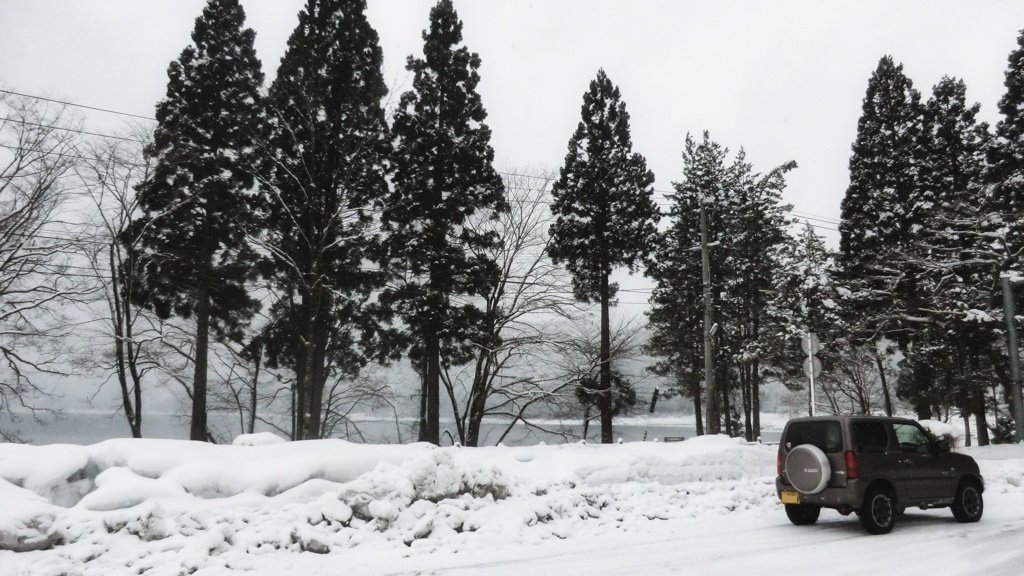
{"x":1016,"y":403}
{"x":714,"y":422}
{"x":810,"y":372}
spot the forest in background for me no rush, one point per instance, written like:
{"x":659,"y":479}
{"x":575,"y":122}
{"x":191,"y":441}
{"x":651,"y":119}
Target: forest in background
{"x":271,"y":249}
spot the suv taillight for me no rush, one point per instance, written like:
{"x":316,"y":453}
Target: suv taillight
{"x":851,"y":466}
{"x":778,"y":461}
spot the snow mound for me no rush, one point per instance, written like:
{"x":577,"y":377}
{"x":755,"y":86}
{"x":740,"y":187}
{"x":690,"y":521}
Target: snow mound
{"x":258,"y":439}
{"x":26,"y":519}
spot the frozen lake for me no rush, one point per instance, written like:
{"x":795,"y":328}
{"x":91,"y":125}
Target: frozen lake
{"x":90,"y":427}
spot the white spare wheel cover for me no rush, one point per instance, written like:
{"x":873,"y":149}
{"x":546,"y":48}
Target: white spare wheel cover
{"x":808,"y":469}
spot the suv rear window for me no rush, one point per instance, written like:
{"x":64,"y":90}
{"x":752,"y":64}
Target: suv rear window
{"x":870,"y":437}
{"x":825,"y":434}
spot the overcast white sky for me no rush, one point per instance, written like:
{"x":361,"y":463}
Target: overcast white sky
{"x":783,"y":79}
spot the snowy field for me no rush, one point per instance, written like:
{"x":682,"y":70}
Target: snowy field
{"x":264,"y":507}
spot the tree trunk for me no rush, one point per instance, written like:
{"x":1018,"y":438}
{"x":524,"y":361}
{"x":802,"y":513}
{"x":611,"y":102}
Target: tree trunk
{"x":131,"y":393}
{"x":198,"y":430}
{"x":295,"y":409}
{"x":422,"y":436}
{"x":301,"y":386}
{"x":747,"y":404}
{"x":432,"y":433}
{"x":967,"y":429}
{"x":755,"y":397}
{"x":253,"y":398}
{"x":980,"y":418}
{"x":606,"y":366}
{"x":477,"y":404}
{"x":726,"y":408}
{"x":885,"y":385}
{"x":314,"y":409}
{"x":699,"y":417}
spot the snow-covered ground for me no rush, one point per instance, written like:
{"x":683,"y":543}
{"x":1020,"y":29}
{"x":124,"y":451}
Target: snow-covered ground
{"x":263,"y":506}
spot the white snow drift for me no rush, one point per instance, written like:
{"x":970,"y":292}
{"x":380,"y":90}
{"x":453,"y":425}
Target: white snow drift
{"x":176,"y":507}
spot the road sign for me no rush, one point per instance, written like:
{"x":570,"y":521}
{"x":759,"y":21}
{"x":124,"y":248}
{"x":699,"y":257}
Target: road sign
{"x":812,"y":367}
{"x":809,"y":343}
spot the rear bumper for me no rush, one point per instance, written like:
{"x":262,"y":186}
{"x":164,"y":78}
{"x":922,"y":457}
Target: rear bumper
{"x":850,"y":496}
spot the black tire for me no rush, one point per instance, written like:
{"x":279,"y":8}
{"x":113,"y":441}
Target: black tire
{"x":968,"y":505}
{"x":802,"y":514}
{"x":878,"y":514}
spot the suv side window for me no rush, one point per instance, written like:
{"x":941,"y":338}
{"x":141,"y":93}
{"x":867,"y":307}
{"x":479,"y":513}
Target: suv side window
{"x":825,"y":434}
{"x":870,"y":437}
{"x":911,"y":438}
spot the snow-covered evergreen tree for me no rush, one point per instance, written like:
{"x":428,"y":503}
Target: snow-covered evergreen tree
{"x":325,"y":173}
{"x":957,"y":203}
{"x":443,"y":176}
{"x":756,"y":243}
{"x":676,"y":315}
{"x":1004,"y":224}
{"x":605,"y":212}
{"x":811,"y":301}
{"x":1007,"y":158}
{"x":881,"y":213}
{"x":950,"y":362}
{"x":748,"y":243}
{"x":197,"y":207}
{"x":923,"y":280}
{"x":813,"y":266}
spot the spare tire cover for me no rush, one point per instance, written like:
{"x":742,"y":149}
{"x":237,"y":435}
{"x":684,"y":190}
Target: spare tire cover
{"x":808,"y":469}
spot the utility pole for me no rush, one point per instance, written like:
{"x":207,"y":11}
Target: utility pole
{"x":810,"y":375}
{"x":812,"y":366}
{"x":714,"y":419}
{"x":1016,"y":403}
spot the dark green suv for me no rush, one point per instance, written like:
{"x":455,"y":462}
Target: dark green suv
{"x":874,"y":466}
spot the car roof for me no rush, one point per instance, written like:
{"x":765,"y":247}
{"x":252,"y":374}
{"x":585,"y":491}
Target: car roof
{"x":846,"y":417}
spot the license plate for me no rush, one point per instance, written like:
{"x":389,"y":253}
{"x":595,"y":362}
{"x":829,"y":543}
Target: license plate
{"x":790,"y":497}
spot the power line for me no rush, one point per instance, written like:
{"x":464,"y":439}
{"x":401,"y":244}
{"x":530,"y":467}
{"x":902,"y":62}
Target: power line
{"x":806,"y":216}
{"x":813,"y":225}
{"x":794,"y":213}
{"x":77,"y":105}
{"x":811,"y":216}
{"x":75,"y":130}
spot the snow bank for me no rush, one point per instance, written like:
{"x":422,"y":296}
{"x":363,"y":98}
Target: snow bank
{"x":163,"y":506}
{"x":26,"y":519}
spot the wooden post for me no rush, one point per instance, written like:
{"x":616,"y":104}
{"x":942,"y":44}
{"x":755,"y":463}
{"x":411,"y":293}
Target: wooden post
{"x":714,"y":419}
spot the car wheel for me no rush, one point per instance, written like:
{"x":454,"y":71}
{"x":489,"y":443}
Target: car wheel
{"x":878,"y":514}
{"x":968,"y":505}
{"x":802,"y":514}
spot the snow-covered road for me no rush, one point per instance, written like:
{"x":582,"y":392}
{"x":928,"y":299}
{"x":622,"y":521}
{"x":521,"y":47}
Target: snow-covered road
{"x":925,"y":543}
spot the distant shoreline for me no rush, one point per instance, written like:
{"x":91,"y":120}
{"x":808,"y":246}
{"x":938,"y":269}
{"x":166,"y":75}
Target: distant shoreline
{"x":92,"y":426}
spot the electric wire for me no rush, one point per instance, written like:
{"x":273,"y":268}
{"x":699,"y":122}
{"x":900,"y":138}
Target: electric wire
{"x":96,"y":275}
{"x":807,"y":216}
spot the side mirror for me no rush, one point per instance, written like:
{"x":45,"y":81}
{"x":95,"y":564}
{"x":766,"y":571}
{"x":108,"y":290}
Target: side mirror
{"x":942,"y":446}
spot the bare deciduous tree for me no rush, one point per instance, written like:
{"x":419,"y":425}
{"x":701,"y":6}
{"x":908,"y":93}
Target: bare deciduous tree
{"x":109,"y":171}
{"x":855,"y":386}
{"x":506,"y":377}
{"x":38,"y":243}
{"x":344,"y":399}
{"x":581,"y":362}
